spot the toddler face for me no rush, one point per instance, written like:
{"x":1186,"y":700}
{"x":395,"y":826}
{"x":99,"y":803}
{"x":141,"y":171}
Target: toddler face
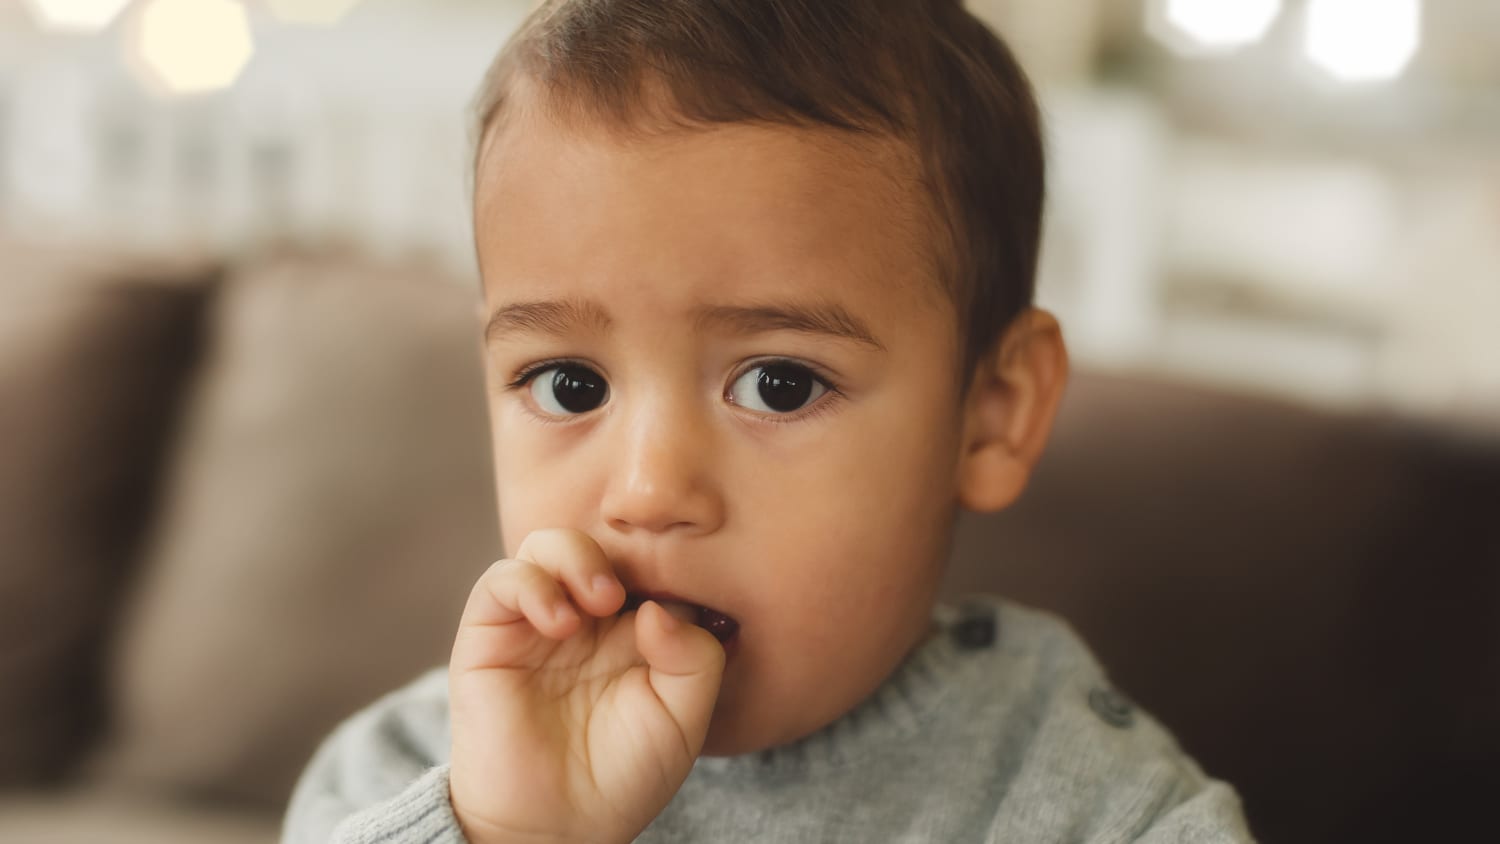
{"x":724,"y":355}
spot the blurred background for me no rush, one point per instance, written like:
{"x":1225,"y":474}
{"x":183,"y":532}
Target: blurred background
{"x":1300,"y":197}
{"x":237,"y":375}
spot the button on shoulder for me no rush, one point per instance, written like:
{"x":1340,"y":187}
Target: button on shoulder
{"x":976,"y":630}
{"x":1111,"y":707}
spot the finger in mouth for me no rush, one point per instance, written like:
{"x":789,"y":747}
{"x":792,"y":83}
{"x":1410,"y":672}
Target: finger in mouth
{"x":722,"y":626}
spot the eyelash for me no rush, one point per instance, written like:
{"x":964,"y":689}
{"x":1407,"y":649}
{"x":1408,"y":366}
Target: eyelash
{"x":522,"y":379}
{"x":832,"y":393}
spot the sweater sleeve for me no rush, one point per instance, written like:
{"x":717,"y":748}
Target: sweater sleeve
{"x":382,"y":776}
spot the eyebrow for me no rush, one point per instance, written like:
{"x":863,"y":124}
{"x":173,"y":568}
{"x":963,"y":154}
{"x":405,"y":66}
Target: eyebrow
{"x":557,"y":318}
{"x":831,"y":320}
{"x":561,"y":317}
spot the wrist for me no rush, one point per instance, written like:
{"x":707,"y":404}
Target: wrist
{"x":479,"y":830}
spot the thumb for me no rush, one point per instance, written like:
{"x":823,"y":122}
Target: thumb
{"x":686,"y":666}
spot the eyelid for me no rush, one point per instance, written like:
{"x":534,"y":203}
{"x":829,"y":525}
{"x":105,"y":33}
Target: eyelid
{"x":530,"y":371}
{"x":832,"y":392}
{"x":520,"y":383}
{"x":819,"y":372}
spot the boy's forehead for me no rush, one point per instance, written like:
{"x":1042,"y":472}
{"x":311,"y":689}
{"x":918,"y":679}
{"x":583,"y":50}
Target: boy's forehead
{"x":761,"y":206}
{"x":532,"y":150}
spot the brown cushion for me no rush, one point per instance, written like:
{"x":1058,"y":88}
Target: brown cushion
{"x":1310,"y":600}
{"x":93,"y":355}
{"x":331,"y":505}
{"x":84,"y":816}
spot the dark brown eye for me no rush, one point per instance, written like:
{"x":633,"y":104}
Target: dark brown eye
{"x":569,"y":389}
{"x":777,"y":388}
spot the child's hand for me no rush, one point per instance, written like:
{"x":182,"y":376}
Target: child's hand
{"x":571,"y":722}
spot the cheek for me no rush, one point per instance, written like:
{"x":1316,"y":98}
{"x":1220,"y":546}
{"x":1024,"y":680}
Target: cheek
{"x":901,"y":459}
{"x":528,"y":497}
{"x":863,"y":513}
{"x":904,"y":489}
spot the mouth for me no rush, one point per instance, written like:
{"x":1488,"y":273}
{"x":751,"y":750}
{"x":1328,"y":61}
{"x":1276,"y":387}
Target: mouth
{"x":721,"y":626}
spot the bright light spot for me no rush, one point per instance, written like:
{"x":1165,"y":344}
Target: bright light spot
{"x":75,"y":15}
{"x":1211,"y":26}
{"x":1363,"y":40}
{"x":316,"y":12}
{"x":191,"y":46}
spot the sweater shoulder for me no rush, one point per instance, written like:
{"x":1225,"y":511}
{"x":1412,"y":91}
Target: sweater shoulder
{"x":1080,"y":759}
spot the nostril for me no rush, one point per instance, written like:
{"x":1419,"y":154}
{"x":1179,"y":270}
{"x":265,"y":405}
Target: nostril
{"x":641,"y":522}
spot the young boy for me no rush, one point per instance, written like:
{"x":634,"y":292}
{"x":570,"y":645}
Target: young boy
{"x":757,"y":277}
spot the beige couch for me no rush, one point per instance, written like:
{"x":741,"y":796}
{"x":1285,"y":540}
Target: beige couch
{"x":237,"y":505}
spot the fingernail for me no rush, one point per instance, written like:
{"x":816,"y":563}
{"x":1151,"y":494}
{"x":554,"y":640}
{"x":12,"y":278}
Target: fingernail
{"x":603,"y":584}
{"x":562,"y":611}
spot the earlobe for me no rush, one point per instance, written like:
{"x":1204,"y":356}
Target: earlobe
{"x":1008,"y":413}
{"x":990,"y":481}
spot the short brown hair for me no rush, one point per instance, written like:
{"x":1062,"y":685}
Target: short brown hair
{"x":924,"y":71}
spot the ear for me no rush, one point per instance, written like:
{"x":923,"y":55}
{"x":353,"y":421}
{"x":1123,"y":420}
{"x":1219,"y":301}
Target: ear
{"x":1008,"y":413}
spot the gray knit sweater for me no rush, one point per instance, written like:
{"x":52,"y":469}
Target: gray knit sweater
{"x":1000,"y":729}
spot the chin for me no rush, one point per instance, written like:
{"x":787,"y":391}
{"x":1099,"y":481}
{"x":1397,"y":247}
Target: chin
{"x":729,"y":735}
{"x":734,"y":741}
{"x":715,"y":747}
{"x":735,"y":731}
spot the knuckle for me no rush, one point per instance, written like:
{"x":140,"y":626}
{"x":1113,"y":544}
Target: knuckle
{"x":528,"y":547}
{"x":582,"y":551}
{"x":500,"y":570}
{"x":557,"y":549}
{"x":513,"y":576}
{"x":572,"y":547}
{"x":531,"y":575}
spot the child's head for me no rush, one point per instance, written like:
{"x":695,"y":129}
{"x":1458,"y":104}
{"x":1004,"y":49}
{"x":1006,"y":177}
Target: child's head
{"x":757,"y":283}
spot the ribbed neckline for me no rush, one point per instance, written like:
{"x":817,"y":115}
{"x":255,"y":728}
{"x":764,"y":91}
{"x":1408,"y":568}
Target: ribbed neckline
{"x":898,"y":709}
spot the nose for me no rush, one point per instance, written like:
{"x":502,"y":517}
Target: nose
{"x":662,"y":479}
